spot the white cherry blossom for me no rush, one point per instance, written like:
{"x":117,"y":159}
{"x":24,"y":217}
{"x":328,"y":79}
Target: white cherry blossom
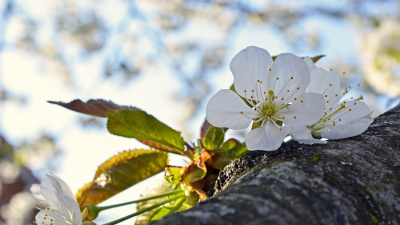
{"x":340,"y":119}
{"x":62,"y":206}
{"x":270,"y":95}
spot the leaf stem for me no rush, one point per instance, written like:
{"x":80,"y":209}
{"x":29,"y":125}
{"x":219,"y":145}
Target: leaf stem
{"x":141,"y":200}
{"x":182,"y":195}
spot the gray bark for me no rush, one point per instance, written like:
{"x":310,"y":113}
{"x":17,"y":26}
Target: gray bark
{"x":349,"y":181}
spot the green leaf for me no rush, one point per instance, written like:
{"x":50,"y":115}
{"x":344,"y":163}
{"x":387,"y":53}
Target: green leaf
{"x":220,"y":158}
{"x":166,"y":210}
{"x":121,"y":172}
{"x":194,"y":172}
{"x":173,"y":174}
{"x":214,"y":138}
{"x":94,"y":107}
{"x":234,"y":148}
{"x":316,"y":58}
{"x":146,"y":128}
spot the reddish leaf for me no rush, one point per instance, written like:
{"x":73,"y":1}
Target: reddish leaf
{"x":204,"y":128}
{"x":94,"y":107}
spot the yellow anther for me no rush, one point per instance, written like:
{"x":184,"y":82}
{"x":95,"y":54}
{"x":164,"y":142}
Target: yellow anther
{"x":291,"y":78}
{"x":298,"y":88}
{"x":346,"y":91}
{"x":327,"y":101}
{"x":340,"y":119}
{"x":283,"y":117}
{"x":355,"y":103}
{"x":301,"y":101}
{"x":259,"y":126}
{"x":330,"y":84}
{"x":329,"y":118}
{"x":269,"y":69}
{"x":288,"y":90}
{"x":258,"y":80}
{"x":245,"y":91}
{"x":326,"y":96}
{"x":265,"y":92}
{"x":349,"y":109}
{"x":295,"y":99}
{"x":330,"y":108}
{"x":277,"y":78}
{"x":252,"y":90}
{"x":294,"y":117}
{"x":283,"y":99}
{"x":344,"y":102}
{"x":280,"y":128}
{"x":251,"y":97}
{"x":241,"y":112}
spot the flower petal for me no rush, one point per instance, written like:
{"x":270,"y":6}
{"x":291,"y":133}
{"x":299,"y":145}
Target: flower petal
{"x":306,"y":110}
{"x":70,"y":209}
{"x":327,"y":84}
{"x":303,"y":135}
{"x":289,"y":77}
{"x":348,"y":129}
{"x":354,"y":111}
{"x":36,"y":191}
{"x":224,"y":110}
{"x":269,"y":137}
{"x":310,"y":63}
{"x":248,"y":66}
{"x":50,"y":189}
{"x":64,"y":186}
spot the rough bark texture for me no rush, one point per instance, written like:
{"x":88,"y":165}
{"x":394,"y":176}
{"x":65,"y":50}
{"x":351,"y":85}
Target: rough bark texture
{"x":348,"y":181}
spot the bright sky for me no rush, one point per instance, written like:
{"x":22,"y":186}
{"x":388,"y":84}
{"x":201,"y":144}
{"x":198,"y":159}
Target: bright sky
{"x":84,"y":150}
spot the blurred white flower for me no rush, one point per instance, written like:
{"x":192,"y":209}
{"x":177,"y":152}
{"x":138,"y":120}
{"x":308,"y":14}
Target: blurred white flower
{"x":63,"y":208}
{"x":270,"y":94}
{"x":380,"y":57}
{"x":340,"y":119}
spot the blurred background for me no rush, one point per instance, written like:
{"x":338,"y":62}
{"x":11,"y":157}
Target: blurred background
{"x":165,"y":57}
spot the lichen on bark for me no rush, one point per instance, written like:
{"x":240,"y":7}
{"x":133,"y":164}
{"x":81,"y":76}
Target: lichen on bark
{"x":349,"y":181}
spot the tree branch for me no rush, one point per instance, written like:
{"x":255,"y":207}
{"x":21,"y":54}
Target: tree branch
{"x":349,"y":181}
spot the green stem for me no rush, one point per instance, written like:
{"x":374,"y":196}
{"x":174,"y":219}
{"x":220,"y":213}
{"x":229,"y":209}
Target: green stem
{"x":146,"y":209}
{"x":141,"y":200}
{"x":178,"y":204}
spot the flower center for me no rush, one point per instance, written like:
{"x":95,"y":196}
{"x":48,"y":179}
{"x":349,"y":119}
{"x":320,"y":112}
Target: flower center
{"x":334,"y":117}
{"x":267,"y":106}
